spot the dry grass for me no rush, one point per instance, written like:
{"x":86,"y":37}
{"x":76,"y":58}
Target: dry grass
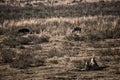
{"x":50,"y":50}
{"x":104,"y":27}
{"x":55,"y":37}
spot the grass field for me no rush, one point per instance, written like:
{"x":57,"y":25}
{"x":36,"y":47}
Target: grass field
{"x":50,"y":51}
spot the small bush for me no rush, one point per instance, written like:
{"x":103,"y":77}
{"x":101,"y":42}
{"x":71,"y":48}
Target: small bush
{"x":37,"y":47}
{"x":74,"y":37}
{"x":54,"y":61}
{"x":54,"y":52}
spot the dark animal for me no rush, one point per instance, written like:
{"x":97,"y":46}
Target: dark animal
{"x":76,"y":29}
{"x":87,"y":65}
{"x":94,"y":64}
{"x":91,"y":64}
{"x":23,"y":30}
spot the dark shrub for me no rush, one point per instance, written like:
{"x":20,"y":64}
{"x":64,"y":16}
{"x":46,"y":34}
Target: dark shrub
{"x":11,"y":41}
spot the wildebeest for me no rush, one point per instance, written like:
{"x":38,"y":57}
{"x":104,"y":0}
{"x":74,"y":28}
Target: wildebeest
{"x":87,"y":66}
{"x":23,"y":30}
{"x":93,"y":63}
{"x":76,"y":29}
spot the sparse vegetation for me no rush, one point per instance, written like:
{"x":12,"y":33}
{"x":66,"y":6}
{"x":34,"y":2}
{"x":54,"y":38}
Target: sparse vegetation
{"x":55,"y":52}
{"x":8,"y":55}
{"x":38,"y":41}
{"x":13,"y":41}
{"x":78,"y":64}
{"x":26,"y":59}
{"x":109,"y":51}
{"x":75,"y":37}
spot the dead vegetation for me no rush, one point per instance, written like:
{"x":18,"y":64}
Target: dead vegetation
{"x":38,"y":42}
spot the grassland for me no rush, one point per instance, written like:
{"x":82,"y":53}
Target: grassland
{"x":50,"y":51}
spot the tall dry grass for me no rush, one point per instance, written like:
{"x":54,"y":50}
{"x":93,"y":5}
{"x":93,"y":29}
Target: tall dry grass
{"x":93,"y":28}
